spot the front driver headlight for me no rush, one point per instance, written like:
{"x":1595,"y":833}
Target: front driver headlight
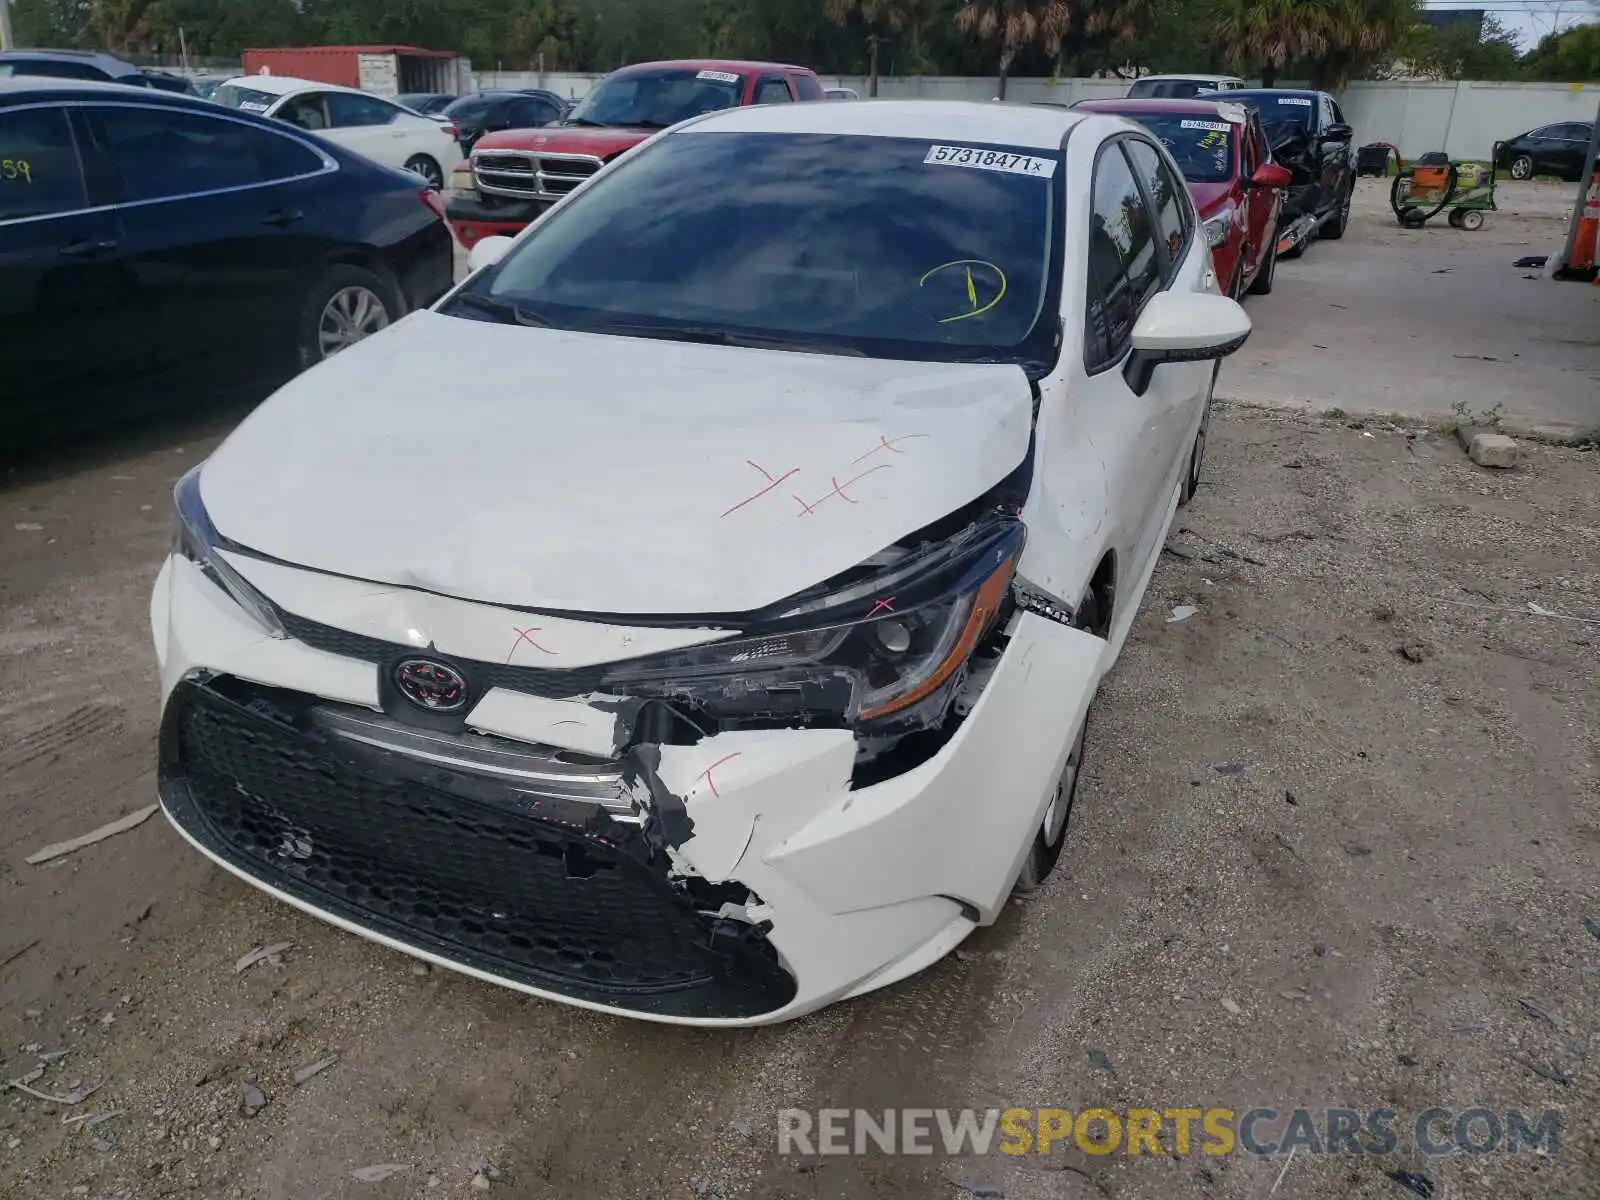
{"x":197,"y":539}
{"x":886,"y":646}
{"x":1217,"y":227}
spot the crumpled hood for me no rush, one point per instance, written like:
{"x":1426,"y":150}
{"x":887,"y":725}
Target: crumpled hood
{"x":581,"y":472}
{"x":567,"y":139}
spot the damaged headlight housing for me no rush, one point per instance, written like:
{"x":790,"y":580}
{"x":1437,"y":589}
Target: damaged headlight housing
{"x":885,"y":648}
{"x":197,"y":539}
{"x":1217,"y":227}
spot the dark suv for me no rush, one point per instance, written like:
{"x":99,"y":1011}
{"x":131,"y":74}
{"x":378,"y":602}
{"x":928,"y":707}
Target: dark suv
{"x":1309,"y":136}
{"x":87,"y":64}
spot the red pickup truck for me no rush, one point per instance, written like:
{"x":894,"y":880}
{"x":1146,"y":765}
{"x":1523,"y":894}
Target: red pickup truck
{"x":516,"y":174}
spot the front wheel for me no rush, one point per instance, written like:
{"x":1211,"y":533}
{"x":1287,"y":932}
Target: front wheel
{"x":1052,"y":835}
{"x":1522,"y":167}
{"x":1333,"y":228}
{"x":346,"y":305}
{"x":425,"y":168}
{"x":1471,"y":219}
{"x":1261,"y":285}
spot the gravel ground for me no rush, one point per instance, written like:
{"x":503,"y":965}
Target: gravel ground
{"x":1389,"y":881}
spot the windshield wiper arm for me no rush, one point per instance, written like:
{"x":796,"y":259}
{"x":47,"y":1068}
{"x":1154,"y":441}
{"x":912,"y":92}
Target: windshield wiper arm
{"x":507,"y":312}
{"x":712,"y":336}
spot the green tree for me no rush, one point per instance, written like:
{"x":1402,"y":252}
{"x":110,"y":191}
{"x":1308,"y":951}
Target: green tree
{"x":878,"y":16}
{"x":1460,"y":51}
{"x":1010,"y":26}
{"x":1328,"y":39}
{"x":1572,"y":56}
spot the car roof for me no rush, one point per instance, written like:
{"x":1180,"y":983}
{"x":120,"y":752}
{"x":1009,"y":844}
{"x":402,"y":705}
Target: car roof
{"x":48,"y":85}
{"x":1196,"y":77}
{"x":1133,"y":106}
{"x":1235,"y":93}
{"x":737,"y":65}
{"x":288,"y":85}
{"x":98,"y":57}
{"x":933,"y":120}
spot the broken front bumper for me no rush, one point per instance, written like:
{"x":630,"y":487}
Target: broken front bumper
{"x":742,"y":880}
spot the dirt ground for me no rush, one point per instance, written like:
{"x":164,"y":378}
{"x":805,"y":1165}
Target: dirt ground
{"x":1336,"y":844}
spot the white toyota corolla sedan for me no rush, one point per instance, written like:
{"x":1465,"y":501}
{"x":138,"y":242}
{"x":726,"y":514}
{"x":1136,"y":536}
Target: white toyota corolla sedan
{"x":696,"y":614}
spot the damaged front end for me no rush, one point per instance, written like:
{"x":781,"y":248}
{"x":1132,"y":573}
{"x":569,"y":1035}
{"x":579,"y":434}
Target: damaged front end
{"x":726,"y":832}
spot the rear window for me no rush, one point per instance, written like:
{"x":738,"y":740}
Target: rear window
{"x":891,"y":247}
{"x":1202,"y":146}
{"x":232,"y":95}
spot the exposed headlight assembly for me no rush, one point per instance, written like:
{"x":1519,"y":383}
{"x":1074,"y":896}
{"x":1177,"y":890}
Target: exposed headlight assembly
{"x":197,"y":539}
{"x":884,"y":649}
{"x":1217,"y":227}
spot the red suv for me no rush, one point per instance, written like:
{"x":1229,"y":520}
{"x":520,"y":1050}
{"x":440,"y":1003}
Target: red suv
{"x":516,"y":174}
{"x":1238,"y":189}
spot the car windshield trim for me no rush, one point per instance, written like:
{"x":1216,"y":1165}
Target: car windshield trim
{"x":896,"y":265}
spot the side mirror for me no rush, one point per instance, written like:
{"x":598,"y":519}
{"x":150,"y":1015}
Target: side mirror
{"x":1183,"y":327}
{"x":1338,"y":133}
{"x":1271,"y":175}
{"x":487,"y":252}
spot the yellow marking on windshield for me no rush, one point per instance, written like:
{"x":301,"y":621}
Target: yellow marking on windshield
{"x":972,"y":287}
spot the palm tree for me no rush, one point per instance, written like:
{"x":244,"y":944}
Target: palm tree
{"x":894,"y":15}
{"x":1013,"y":25}
{"x":1331,"y":37}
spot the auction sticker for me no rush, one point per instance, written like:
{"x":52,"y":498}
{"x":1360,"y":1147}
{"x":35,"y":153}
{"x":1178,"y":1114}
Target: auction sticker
{"x":1297,"y":101}
{"x":253,"y":106}
{"x":991,"y":160}
{"x":718,"y":76}
{"x":1216,"y":126}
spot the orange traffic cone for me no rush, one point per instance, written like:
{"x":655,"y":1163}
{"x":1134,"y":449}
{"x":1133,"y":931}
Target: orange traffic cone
{"x":1581,"y":263}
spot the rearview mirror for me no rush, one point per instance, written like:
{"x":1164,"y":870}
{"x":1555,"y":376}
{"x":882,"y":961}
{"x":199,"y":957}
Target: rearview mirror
{"x":1271,"y":175}
{"x":1338,"y":133}
{"x":1183,"y":327}
{"x":487,"y":252}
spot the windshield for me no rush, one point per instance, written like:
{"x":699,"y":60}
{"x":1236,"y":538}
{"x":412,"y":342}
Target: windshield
{"x":891,"y":247}
{"x":657,"y":98}
{"x":1286,"y":111}
{"x":232,"y":95}
{"x":1203,"y":146}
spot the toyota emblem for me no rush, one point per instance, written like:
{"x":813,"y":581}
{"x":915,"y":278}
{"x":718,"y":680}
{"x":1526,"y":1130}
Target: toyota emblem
{"x":431,"y":685}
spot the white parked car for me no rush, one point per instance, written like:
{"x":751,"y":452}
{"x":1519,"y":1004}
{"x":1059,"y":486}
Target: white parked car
{"x":696,"y":614}
{"x":380,"y":129}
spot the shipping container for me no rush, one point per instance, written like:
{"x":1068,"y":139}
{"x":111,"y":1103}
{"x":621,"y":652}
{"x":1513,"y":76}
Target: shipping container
{"x":382,"y":70}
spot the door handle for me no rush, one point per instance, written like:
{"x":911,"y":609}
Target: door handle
{"x":84,"y":248}
{"x":284,"y":217}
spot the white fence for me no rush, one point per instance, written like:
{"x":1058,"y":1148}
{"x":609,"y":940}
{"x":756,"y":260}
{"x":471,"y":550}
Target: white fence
{"x":1463,"y":119}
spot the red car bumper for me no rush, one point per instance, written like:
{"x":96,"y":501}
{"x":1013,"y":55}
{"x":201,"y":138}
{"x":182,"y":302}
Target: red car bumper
{"x":470,"y":233}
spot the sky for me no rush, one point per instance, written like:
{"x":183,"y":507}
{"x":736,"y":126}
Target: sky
{"x":1529,"y":20}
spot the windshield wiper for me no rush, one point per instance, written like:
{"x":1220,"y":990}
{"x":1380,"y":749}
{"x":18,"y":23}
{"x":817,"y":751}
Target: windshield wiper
{"x":505,"y":311}
{"x":712,"y":336}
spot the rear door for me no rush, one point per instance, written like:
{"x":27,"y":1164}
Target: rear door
{"x":219,"y":222}
{"x":370,"y":126}
{"x":1569,"y":147}
{"x":58,"y":294}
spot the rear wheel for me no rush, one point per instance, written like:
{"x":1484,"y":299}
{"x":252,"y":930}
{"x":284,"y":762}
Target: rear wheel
{"x":1471,"y":219}
{"x":346,"y":305}
{"x":430,"y":172}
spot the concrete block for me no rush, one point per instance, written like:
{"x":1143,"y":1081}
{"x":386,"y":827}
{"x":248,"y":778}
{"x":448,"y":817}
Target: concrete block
{"x":1494,"y":450}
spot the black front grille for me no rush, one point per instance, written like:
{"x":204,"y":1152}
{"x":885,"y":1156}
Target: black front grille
{"x":553,"y":685}
{"x":396,"y":846}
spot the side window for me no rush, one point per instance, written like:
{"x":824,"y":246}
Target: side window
{"x":1124,"y":267}
{"x":283,"y":157}
{"x":807,"y":88}
{"x":1338,"y":113}
{"x":1570,"y":132}
{"x":54,"y":69}
{"x":160,"y":153}
{"x":773,"y":91}
{"x":39,"y":169}
{"x":346,"y":110}
{"x":526,"y":114}
{"x":305,"y":112}
{"x":1170,"y":198}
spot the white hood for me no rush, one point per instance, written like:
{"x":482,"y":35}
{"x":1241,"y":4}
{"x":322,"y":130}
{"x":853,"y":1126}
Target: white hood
{"x":581,"y":472}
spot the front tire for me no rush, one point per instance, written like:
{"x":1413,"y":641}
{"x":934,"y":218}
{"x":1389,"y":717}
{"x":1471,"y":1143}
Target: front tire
{"x":1522,"y":167}
{"x":346,"y":305}
{"x":1052,"y":835}
{"x":428,"y":170}
{"x":1261,"y":285}
{"x":1333,"y":228}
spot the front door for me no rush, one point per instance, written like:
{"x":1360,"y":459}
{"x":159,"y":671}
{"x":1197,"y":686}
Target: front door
{"x":58,"y":299}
